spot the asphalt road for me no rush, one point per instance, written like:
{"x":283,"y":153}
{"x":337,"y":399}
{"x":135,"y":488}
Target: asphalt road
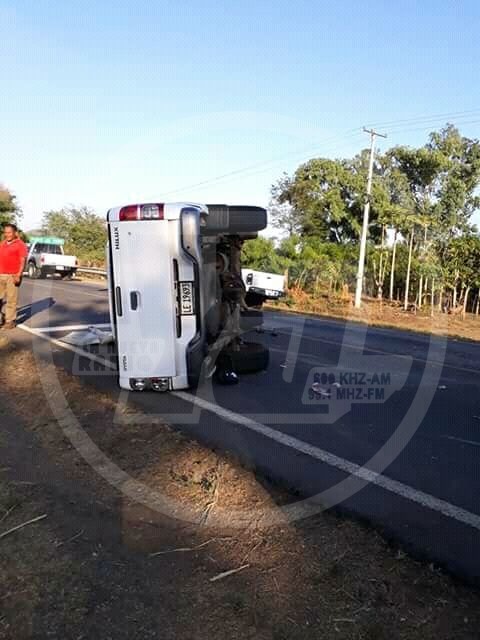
{"x":390,"y":430}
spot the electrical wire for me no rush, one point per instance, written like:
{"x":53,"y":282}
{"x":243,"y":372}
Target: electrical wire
{"x":352,"y":133}
{"x":395,"y":127}
{"x":456,"y":114}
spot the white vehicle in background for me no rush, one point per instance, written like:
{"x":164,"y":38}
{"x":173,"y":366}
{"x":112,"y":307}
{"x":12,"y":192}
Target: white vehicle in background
{"x":176,"y":293}
{"x":46,"y":257}
{"x":262,"y":286}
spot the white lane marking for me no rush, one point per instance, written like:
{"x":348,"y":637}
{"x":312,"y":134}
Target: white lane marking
{"x":393,"y":486}
{"x":68,"y":347}
{"x":473,"y":442}
{"x":71,"y":327}
{"x":74,"y":290}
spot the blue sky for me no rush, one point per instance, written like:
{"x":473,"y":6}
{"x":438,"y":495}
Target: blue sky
{"x":112,"y":102}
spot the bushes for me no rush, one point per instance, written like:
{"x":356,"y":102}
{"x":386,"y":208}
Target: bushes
{"x":84,"y":233}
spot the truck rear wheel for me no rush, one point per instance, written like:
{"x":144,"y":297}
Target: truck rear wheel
{"x":254,"y":299}
{"x":250,"y":358}
{"x":32,"y":271}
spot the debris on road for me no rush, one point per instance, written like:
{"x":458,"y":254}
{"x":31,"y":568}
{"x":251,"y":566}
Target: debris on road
{"x":92,"y":335}
{"x":317,"y":389}
{"x":182,"y":549}
{"x":225,"y":574}
{"x":20,"y":526}
{"x":271,"y":331}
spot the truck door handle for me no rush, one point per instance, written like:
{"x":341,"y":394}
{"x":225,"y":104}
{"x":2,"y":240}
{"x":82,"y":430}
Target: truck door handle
{"x":134,"y":300}
{"x":118,"y":301}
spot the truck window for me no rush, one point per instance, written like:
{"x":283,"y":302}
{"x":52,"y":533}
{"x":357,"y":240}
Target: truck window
{"x":55,"y":249}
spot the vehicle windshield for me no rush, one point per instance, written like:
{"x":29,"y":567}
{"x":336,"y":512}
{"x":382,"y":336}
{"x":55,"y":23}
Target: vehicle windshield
{"x":55,"y":249}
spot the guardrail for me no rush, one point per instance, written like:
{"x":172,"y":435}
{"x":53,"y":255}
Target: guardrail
{"x":93,"y":271}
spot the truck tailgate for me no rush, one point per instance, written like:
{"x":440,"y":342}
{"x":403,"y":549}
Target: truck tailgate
{"x":145,"y":299}
{"x":55,"y":259}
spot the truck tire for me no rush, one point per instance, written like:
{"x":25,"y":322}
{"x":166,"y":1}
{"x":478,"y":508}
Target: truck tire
{"x":234,"y":219}
{"x":254,"y":300}
{"x":251,"y":358}
{"x":32,"y":271}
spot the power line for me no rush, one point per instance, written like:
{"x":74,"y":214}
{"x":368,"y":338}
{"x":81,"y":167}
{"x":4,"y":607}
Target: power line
{"x":425,"y":127}
{"x":391,"y":123}
{"x":247,"y":174}
{"x":249,"y":170}
{"x":351,"y":133}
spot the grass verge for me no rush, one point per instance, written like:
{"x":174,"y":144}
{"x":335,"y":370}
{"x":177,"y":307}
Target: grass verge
{"x":381,"y":314}
{"x":101,"y":565}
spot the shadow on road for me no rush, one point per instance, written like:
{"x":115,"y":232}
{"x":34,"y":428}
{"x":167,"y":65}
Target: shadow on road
{"x":27,"y":311}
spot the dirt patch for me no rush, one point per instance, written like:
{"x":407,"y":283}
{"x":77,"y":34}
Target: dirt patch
{"x":381,"y":314}
{"x":103,"y":565}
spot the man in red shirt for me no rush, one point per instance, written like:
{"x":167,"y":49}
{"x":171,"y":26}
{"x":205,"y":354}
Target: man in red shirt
{"x":13,"y":253}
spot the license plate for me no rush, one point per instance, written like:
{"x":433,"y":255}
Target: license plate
{"x":187,"y":307}
{"x":271,"y":293}
{"x":60,"y":268}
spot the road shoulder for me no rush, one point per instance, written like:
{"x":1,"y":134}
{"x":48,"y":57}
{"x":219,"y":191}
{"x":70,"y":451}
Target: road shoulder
{"x":87,"y":568}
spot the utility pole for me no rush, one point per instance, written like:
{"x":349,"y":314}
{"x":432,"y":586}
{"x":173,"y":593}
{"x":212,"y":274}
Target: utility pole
{"x":366,"y":211}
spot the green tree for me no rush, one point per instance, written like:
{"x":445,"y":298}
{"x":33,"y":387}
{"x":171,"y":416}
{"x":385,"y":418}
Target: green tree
{"x":325,"y":198}
{"x":260,"y":254}
{"x":422,"y":200}
{"x":456,"y":188}
{"x":83,"y":231}
{"x":462,"y":267}
{"x":420,"y":168}
{"x":9,"y":209}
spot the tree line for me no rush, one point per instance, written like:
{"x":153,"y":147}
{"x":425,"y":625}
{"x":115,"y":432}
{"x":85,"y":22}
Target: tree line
{"x":82,"y":229}
{"x":423,"y":246}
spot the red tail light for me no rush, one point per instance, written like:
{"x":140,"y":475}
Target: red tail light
{"x":129,"y":213}
{"x":42,"y":259}
{"x":150,"y":211}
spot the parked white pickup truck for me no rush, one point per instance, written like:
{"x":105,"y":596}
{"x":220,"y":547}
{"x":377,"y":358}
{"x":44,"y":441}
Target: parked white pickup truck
{"x":262,"y":286}
{"x":46,"y":256}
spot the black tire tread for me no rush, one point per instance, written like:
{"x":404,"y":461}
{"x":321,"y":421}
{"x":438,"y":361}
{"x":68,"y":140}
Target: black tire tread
{"x":251,"y":358}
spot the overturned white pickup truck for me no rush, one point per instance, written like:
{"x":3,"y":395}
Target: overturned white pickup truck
{"x":176,"y":293}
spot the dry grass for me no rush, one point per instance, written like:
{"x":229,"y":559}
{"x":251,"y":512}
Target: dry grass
{"x":382,"y":314}
{"x":87,"y":571}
